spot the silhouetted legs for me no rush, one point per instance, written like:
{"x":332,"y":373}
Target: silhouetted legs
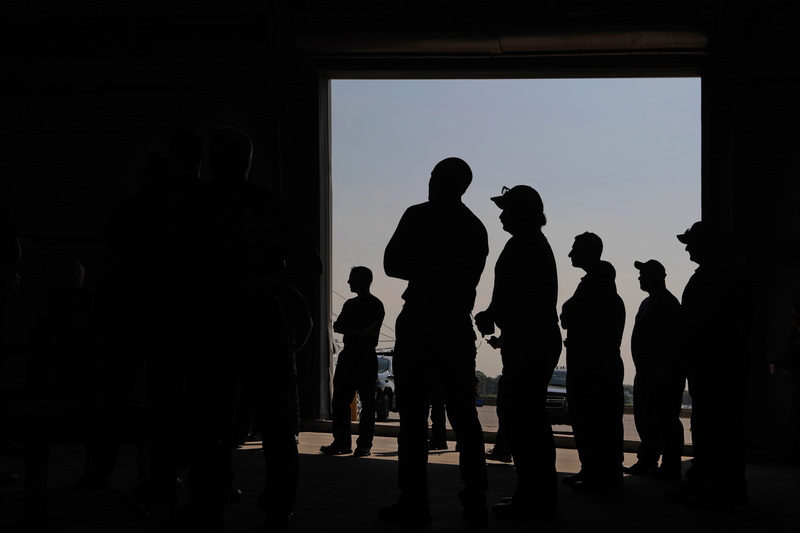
{"x":438,"y":417}
{"x":527,"y":369}
{"x":718,"y":433}
{"x":246,"y":346}
{"x":596,"y":402}
{"x":501,"y":438}
{"x":355,"y":372}
{"x":165,"y":388}
{"x":427,"y":349}
{"x":657,"y":406}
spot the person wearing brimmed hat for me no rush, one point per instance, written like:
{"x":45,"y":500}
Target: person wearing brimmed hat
{"x":523,"y":306}
{"x":440,"y":248}
{"x":594,"y":319}
{"x":716,"y":316}
{"x":658,"y":385}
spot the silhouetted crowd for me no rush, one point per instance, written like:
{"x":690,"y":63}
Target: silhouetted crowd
{"x":440,"y":249}
{"x":199,"y":291}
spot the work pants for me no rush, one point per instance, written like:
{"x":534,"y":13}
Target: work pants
{"x":656,"y":412}
{"x":718,"y":432}
{"x":247,"y":346}
{"x":596,"y":402}
{"x":356,"y":371}
{"x":528,"y":365}
{"x":437,"y":345}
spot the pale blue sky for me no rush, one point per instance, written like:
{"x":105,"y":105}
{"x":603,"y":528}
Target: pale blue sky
{"x":618,"y":157}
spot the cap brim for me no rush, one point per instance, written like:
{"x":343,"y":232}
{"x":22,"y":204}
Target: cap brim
{"x":684,"y":238}
{"x":500,"y":201}
{"x":638,"y":265}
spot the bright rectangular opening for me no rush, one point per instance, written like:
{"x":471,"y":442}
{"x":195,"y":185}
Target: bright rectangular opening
{"x":617,"y":157}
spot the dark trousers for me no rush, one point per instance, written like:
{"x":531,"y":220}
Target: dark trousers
{"x":441,"y":347}
{"x":248,"y":349}
{"x":355,"y":372}
{"x":527,"y":368}
{"x":438,"y":414}
{"x":718,"y":431}
{"x":656,"y":412}
{"x":501,"y":446}
{"x":165,"y":371}
{"x":596,"y":402}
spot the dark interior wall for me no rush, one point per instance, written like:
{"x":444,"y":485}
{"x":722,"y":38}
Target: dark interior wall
{"x":766,"y":199}
{"x":70,"y":156}
{"x":87,"y":93}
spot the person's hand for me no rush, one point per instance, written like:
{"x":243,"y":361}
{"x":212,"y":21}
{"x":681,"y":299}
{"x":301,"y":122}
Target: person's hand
{"x":495,"y":342}
{"x":13,"y":281}
{"x":485,"y":323}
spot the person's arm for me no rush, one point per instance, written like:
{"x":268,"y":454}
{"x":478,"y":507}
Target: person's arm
{"x":10,"y":248}
{"x":357,"y":320}
{"x":400,"y":258}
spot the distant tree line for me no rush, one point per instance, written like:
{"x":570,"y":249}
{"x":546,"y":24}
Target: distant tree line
{"x":488,"y":387}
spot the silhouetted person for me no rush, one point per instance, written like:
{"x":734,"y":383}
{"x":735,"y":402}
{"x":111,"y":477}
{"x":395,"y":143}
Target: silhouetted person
{"x":173,"y":196}
{"x":144,"y":318}
{"x":357,"y":367}
{"x":438,"y":436}
{"x":75,"y":365}
{"x":659,"y":382}
{"x":789,"y":365}
{"x":716,"y":315}
{"x":249,"y":245}
{"x":125,"y":299}
{"x":594,"y":319}
{"x":501,"y":451}
{"x":10,"y":256}
{"x":298,"y":327}
{"x":440,"y":247}
{"x":524,"y":308}
{"x":75,"y":360}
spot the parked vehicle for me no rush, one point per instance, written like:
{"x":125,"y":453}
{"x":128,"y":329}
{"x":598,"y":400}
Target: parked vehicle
{"x":557,"y":406}
{"x":385,"y":399}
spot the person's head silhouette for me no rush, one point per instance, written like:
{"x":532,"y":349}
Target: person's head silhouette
{"x":586,"y":251}
{"x":186,"y":152}
{"x":360,"y":279}
{"x":230,"y":153}
{"x":651,"y":275}
{"x":523,"y":210}
{"x":706,"y":243}
{"x":449,"y":180}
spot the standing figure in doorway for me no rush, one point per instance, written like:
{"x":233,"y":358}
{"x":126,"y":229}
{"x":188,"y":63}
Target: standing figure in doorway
{"x":360,"y":322}
{"x":440,"y":248}
{"x":658,"y":385}
{"x":524,"y":308}
{"x":594,"y":319}
{"x":716,"y":316}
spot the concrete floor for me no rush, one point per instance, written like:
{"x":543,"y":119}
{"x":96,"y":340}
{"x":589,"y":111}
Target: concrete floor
{"x":344,"y":493}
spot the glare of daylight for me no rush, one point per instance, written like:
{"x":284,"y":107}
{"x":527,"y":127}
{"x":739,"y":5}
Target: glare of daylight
{"x":617,"y":157}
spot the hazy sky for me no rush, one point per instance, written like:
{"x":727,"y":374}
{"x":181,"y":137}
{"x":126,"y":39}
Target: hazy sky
{"x":618,"y":157}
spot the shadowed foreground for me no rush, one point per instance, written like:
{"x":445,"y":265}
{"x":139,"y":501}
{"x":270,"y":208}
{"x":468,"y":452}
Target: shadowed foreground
{"x":343,"y":493}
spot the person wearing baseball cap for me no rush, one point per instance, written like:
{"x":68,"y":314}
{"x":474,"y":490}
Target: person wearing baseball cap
{"x":716,"y":317}
{"x":524,"y":308}
{"x":659,"y":383}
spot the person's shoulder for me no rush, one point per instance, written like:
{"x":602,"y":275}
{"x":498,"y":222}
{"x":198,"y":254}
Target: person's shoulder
{"x":670,"y":299}
{"x":418,"y":209}
{"x":375,"y":301}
